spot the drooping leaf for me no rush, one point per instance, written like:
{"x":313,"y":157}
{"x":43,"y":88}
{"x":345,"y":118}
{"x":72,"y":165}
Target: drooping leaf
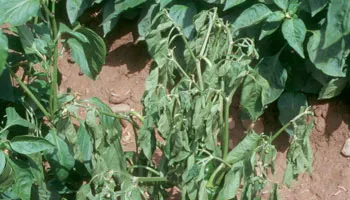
{"x":274,"y":194}
{"x":338,"y":21}
{"x":6,"y":177}
{"x":61,"y":158}
{"x":13,"y":119}
{"x":2,"y":161}
{"x":231,"y":185}
{"x":252,"y":95}
{"x":272,"y":70}
{"x":329,"y":60}
{"x":3,"y":51}
{"x":244,"y":148}
{"x":316,"y":6}
{"x":289,"y":105}
{"x":333,"y":88}
{"x":144,"y":25}
{"x":23,"y":179}
{"x":6,"y":88}
{"x":271,"y":24}
{"x":294,"y":32}
{"x":66,"y":129}
{"x":30,"y":144}
{"x":75,"y":8}
{"x":182,"y":15}
{"x":232,"y":3}
{"x":251,"y":16}
{"x":18,"y":12}
{"x":283,"y":4}
{"x":89,"y":56}
{"x":85,"y":146}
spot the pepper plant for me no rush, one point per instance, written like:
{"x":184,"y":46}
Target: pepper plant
{"x":204,"y":52}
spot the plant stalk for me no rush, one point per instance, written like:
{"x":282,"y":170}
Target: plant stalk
{"x":30,"y":94}
{"x":149,"y":179}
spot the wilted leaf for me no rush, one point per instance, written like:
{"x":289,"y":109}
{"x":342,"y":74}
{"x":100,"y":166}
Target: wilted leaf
{"x":252,"y":95}
{"x":182,"y":15}
{"x":3,"y":51}
{"x":14,"y":119}
{"x":243,"y":149}
{"x":231,"y":185}
{"x":272,"y":70}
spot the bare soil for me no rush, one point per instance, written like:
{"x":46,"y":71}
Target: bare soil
{"x":127,"y":66}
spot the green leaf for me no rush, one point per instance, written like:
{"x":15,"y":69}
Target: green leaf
{"x":182,"y":15}
{"x":316,"y":6}
{"x":18,"y":12}
{"x":61,"y":158}
{"x":333,"y":88}
{"x":6,"y":88}
{"x":23,"y":179}
{"x":231,"y":185}
{"x":251,"y":16}
{"x":271,"y":24}
{"x":164,"y":3}
{"x":110,"y":17}
{"x":252,"y":95}
{"x":6,"y":177}
{"x":144,"y":25}
{"x":294,"y":32}
{"x":289,"y":105}
{"x":65,"y":29}
{"x":274,"y":194}
{"x":89,"y":56}
{"x":243,"y":149}
{"x":30,"y":144}
{"x":271,"y":69}
{"x":3,"y":51}
{"x":85,"y":146}
{"x":338,"y":21}
{"x":75,"y":8}
{"x":329,"y":60}
{"x":14,"y":119}
{"x":232,"y":3}
{"x":2,"y":161}
{"x":66,"y":129}
{"x":283,"y":4}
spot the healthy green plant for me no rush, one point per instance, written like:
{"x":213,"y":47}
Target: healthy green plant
{"x":204,"y":52}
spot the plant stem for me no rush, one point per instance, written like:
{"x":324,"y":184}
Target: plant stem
{"x":225,"y":138}
{"x":30,"y":94}
{"x":149,"y":179}
{"x":306,"y":112}
{"x":145,"y":167}
{"x":214,"y":175}
{"x":54,"y":85}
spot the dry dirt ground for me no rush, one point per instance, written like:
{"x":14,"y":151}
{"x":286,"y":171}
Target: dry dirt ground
{"x":124,"y":74}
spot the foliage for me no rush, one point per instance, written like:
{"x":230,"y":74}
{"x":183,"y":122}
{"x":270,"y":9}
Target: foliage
{"x":204,"y":52}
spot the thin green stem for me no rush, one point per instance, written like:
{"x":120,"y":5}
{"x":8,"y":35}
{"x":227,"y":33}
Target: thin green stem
{"x":149,"y":179}
{"x":30,"y":94}
{"x":306,"y":112}
{"x":144,"y":167}
{"x":54,"y":85}
{"x":225,"y":138}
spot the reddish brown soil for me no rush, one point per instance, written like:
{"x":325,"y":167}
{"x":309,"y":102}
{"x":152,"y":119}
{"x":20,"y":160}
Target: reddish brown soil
{"x":126,"y":69}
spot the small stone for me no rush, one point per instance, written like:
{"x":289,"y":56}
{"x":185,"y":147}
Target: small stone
{"x":231,"y":123}
{"x":318,"y":112}
{"x":121,"y":108}
{"x":346,"y":148}
{"x":320,"y":124}
{"x":117,"y":99}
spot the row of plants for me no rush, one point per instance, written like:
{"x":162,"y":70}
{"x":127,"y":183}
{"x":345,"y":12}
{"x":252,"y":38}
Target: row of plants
{"x":204,"y":52}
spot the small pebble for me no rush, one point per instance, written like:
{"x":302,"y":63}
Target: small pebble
{"x":346,"y":148}
{"x":318,"y":112}
{"x":121,"y":108}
